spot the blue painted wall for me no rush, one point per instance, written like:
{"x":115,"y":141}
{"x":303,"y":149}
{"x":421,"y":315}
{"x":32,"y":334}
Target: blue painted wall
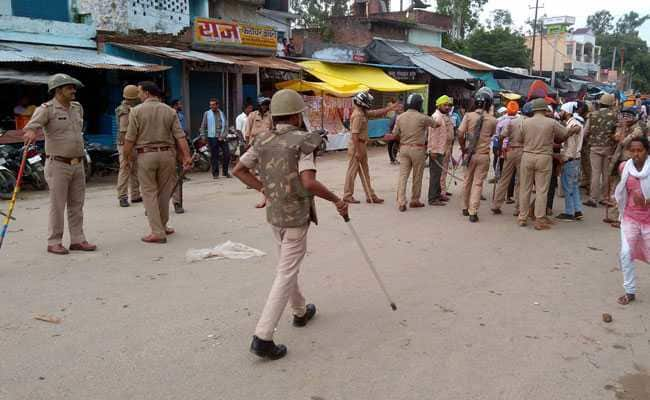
{"x":173,"y":77}
{"x":203,"y":87}
{"x":57,"y":10}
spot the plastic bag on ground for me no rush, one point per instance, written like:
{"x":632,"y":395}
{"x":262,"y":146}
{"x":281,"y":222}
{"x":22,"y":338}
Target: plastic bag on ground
{"x":228,"y":250}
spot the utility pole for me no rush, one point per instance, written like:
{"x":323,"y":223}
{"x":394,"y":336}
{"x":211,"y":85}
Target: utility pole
{"x":554,"y":57}
{"x":613,"y":59}
{"x":532,"y":52}
{"x":541,"y":47}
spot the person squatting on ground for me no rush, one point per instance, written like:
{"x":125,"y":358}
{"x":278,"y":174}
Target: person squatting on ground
{"x":511,"y":132}
{"x":600,"y":128}
{"x":61,"y":120}
{"x":440,"y":139}
{"x":539,"y":133}
{"x":474,"y":136}
{"x":127,"y":176}
{"x":358,"y":147}
{"x":411,"y":130}
{"x":633,"y":198}
{"x":572,"y":114}
{"x":285,"y":159}
{"x":155,"y":134}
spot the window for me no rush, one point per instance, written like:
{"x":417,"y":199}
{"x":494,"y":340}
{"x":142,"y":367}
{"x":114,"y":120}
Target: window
{"x":569,"y":50}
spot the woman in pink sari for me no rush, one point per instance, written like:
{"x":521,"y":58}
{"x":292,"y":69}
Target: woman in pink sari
{"x":633,"y":198}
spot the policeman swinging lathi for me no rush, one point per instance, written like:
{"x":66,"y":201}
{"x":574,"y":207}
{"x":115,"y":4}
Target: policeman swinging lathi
{"x":286,"y":162}
{"x":61,"y":120}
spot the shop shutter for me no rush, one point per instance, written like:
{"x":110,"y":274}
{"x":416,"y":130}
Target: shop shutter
{"x":56,"y":10}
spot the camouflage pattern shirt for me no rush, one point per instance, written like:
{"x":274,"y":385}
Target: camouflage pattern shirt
{"x":280,"y":156}
{"x":601,"y":127}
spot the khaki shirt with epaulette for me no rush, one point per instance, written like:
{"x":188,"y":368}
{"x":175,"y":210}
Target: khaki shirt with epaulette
{"x":488,"y":129}
{"x":411,"y":127}
{"x":62,"y":128}
{"x":122,"y":114}
{"x":513,"y":132}
{"x":540,"y":132}
{"x":153,"y":123}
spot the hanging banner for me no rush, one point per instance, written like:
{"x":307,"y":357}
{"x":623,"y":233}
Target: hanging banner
{"x":217,"y":33}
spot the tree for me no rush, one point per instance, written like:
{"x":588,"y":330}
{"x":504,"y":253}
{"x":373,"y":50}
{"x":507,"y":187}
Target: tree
{"x":464,"y":14}
{"x":501,"y":18}
{"x":630,"y":23}
{"x":315,"y":13}
{"x":499,"y":46}
{"x":601,"y":22}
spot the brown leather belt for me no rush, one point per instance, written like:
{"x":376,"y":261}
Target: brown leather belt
{"x":515,"y":147}
{"x":67,"y":160}
{"x":152,"y":149}
{"x":424,"y":146}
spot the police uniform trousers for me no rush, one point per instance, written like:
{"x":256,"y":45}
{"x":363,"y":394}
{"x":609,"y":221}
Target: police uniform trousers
{"x":410,"y":158}
{"x":127,"y":176}
{"x":510,"y":168}
{"x":353,"y":171}
{"x":291,"y":244}
{"x":67,"y":185}
{"x":444,"y":175}
{"x":477,"y":171}
{"x":535,"y":169}
{"x":157,"y":175}
{"x":600,"y":158}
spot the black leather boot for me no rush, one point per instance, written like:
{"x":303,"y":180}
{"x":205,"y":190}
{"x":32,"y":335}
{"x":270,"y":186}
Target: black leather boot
{"x":309,"y":314}
{"x":267,"y":349}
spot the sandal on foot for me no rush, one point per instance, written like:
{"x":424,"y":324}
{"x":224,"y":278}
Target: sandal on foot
{"x":626,"y":299}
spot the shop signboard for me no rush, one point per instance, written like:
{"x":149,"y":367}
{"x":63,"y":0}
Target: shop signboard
{"x":215,"y":33}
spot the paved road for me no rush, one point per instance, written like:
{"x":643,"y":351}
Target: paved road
{"x":486,"y":311}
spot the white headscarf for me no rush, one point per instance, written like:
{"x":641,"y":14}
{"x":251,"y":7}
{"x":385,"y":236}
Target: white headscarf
{"x":644,"y":176}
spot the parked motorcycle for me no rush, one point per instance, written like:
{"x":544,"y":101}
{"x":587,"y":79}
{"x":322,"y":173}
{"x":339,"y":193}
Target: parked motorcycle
{"x":100,"y":160}
{"x":200,"y":154}
{"x":34,"y":173}
{"x":7,"y":178}
{"x":236,"y":144}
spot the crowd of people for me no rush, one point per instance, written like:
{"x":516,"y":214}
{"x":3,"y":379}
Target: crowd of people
{"x":533,"y":146}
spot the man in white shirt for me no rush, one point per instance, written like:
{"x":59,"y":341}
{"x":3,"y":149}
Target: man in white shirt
{"x":242,"y":119}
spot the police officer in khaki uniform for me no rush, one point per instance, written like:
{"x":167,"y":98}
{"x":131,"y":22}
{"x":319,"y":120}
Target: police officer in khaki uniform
{"x":539,"y":133}
{"x":358,"y":147}
{"x":155,"y":134}
{"x":128,"y":174}
{"x":474,"y":134}
{"x":285,"y":159}
{"x":411,"y":129}
{"x":258,"y":121}
{"x":512,"y":161}
{"x":61,"y":119}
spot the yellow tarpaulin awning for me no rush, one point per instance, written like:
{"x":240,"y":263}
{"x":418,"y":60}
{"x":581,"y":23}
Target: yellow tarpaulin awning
{"x":346,"y":80}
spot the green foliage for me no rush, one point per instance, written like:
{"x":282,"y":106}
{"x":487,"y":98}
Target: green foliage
{"x":501,"y":18}
{"x":630,"y":23}
{"x":464,"y":13}
{"x":601,"y":22}
{"x":314,"y":13}
{"x":499,"y":46}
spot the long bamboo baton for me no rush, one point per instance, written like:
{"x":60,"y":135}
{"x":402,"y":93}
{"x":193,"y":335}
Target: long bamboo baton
{"x":14,"y":197}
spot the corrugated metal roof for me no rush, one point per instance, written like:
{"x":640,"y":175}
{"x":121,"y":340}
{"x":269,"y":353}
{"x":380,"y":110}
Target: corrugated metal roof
{"x":84,"y":58}
{"x":430,"y":63}
{"x":458,"y":59}
{"x":201,"y":56}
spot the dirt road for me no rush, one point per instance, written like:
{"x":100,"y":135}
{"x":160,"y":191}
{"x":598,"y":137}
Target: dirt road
{"x":485,"y":311}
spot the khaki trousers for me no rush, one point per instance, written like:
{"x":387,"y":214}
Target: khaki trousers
{"x":128,"y":176}
{"x":510,"y":167}
{"x":444,"y":175}
{"x":351,"y":176}
{"x":67,"y":189}
{"x":535,"y":169}
{"x":599,"y":157}
{"x":157,"y":172}
{"x":410,"y":158}
{"x":291,"y":244}
{"x":475,"y":175}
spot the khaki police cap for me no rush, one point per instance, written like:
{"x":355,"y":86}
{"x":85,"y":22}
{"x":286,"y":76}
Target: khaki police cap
{"x":287,"y":102}
{"x":607,"y":99}
{"x":130,"y":92}
{"x":58,"y":80}
{"x":538,"y":105}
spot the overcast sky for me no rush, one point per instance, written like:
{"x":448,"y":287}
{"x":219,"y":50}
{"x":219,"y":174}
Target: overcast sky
{"x":577,"y":8}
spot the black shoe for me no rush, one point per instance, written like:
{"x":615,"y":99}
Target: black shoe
{"x":215,"y":176}
{"x":227,"y":175}
{"x":124,"y":202}
{"x":267,"y":349}
{"x":136,"y":200}
{"x":496,"y":211}
{"x":510,"y":201}
{"x":565,"y":217}
{"x":579,"y":216}
{"x":309,"y":314}
{"x":483,"y":198}
{"x":465,"y":213}
{"x":590,"y":203}
{"x":473,"y":218}
{"x":178,"y":209}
